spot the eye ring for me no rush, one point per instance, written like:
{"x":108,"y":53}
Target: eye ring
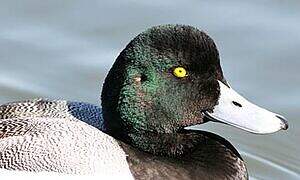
{"x":180,"y":72}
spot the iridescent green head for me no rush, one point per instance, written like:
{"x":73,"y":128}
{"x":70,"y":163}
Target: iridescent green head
{"x":169,"y":78}
{"x":162,"y":82}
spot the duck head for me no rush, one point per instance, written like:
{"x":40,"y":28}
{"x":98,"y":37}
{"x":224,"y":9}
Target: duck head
{"x":169,"y":78}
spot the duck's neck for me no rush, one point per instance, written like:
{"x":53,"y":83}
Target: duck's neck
{"x":191,"y":153}
{"x":165,"y":144}
{"x":176,"y":144}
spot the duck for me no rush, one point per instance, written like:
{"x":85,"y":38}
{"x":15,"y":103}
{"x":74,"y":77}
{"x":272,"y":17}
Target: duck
{"x":166,"y":80}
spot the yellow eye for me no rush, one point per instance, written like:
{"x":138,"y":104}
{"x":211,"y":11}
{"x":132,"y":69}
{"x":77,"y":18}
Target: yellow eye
{"x":179,"y":72}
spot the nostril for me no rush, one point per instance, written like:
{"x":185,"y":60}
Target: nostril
{"x":236,"y":104}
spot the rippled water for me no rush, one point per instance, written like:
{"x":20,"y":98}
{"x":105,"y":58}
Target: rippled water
{"x":63,"y":49}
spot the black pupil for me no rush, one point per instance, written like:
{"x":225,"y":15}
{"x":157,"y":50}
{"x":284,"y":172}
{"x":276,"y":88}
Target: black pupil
{"x":236,"y":104}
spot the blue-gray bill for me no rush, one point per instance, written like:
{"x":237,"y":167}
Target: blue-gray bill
{"x":234,"y":110}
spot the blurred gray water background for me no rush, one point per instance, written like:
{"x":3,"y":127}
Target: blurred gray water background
{"x":63,"y":50}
